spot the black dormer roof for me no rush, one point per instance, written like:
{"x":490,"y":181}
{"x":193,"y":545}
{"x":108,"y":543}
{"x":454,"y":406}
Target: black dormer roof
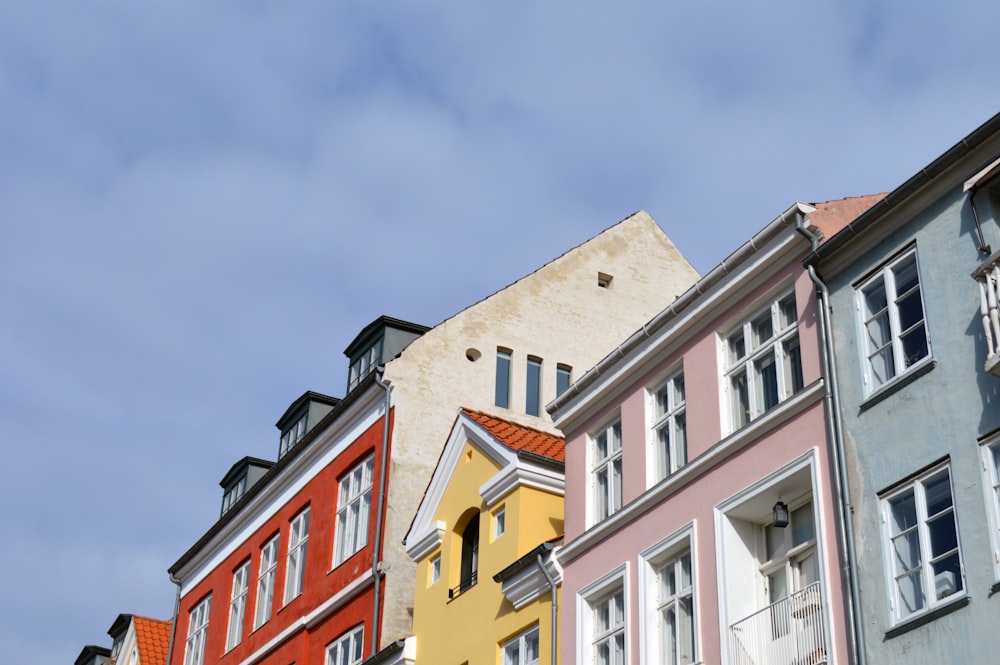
{"x":296,"y":407}
{"x":119,"y":626}
{"x":240,"y":468}
{"x":373,"y":330}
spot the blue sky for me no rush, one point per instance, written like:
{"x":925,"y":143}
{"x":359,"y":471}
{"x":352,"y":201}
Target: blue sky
{"x":202,"y":203}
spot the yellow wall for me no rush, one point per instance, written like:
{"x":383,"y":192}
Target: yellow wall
{"x":471,"y":627}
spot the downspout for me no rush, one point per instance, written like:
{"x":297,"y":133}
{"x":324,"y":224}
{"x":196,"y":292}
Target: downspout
{"x":173,"y":624}
{"x":382,"y":479}
{"x":835,"y":430}
{"x":555,"y":606}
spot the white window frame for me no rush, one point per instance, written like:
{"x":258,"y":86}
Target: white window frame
{"x":348,"y":649}
{"x":900,"y":366}
{"x":990,"y":450}
{"x":669,"y":551}
{"x":353,"y":510}
{"x":434,"y":569}
{"x":779,"y":349}
{"x":588,"y":600}
{"x":194,"y":648}
{"x":238,"y":604}
{"x":668,"y":427}
{"x":515,"y":650}
{"x":298,"y":541}
{"x":292,"y":435}
{"x":923,"y":570}
{"x":265,"y":582}
{"x":605,"y":470}
{"x":499,"y":522}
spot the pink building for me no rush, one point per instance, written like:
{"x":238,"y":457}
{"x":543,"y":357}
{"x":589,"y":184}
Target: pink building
{"x":701,"y":520}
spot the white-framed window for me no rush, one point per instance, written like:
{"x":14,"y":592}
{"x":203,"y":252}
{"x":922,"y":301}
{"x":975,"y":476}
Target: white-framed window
{"x":607,"y":635}
{"x":502,"y":393}
{"x":669,"y":425}
{"x":667,"y":586}
{"x":353,"y":510}
{"x":788,"y":561}
{"x":265,"y":582}
{"x":991,"y":465}
{"x":499,"y":522}
{"x":194,"y":649}
{"x":346,"y":649}
{"x":533,"y":387}
{"x":522,"y":649}
{"x":233,"y":494}
{"x":921,"y":542}
{"x":238,"y":605}
{"x":292,"y":435}
{"x":893,"y":327}
{"x":434,"y":570}
{"x":364,"y":365}
{"x":606,"y":469}
{"x":763,"y":361}
{"x":298,"y":539}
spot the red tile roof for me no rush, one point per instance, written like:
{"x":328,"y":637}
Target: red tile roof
{"x":153,"y":639}
{"x":520,"y":437}
{"x":832,"y":216}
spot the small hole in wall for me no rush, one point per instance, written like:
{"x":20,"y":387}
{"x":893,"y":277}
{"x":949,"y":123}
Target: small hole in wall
{"x":472,"y":355}
{"x":604,"y":280}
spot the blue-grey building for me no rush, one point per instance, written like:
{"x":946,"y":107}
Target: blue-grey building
{"x":911,"y":327}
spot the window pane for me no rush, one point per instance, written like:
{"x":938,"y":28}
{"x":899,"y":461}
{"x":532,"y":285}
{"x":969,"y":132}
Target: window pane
{"x":911,"y":595}
{"x":531,"y":647}
{"x":911,"y":310}
{"x":793,"y":366}
{"x":943,"y":536}
{"x":786,"y":311}
{"x":680,"y":443}
{"x":562,"y":379}
{"x":802,"y":524}
{"x":914,"y":345}
{"x":766,"y":383}
{"x":905,"y":275}
{"x":937,"y":492}
{"x":533,"y":388}
{"x":740,"y":400}
{"x":503,"y":380}
{"x":947,"y":576}
{"x":879,"y":332}
{"x":616,"y":484}
{"x":875,"y":299}
{"x":882,"y":365}
{"x":763,"y":329}
{"x":907,"y":551}
{"x":737,"y":348}
{"x":904,"y":513}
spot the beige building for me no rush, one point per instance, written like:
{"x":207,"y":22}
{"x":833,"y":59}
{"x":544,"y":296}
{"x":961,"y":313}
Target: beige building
{"x":510,"y":354}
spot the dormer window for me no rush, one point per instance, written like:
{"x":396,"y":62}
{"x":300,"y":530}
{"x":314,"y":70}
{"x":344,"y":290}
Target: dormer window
{"x":364,"y":364}
{"x":233,"y":494}
{"x":292,"y":435}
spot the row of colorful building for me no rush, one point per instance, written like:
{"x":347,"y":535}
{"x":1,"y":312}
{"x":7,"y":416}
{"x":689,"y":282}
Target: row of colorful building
{"x":792,"y":460}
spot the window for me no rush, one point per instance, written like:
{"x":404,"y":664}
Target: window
{"x":608,"y":628}
{"x":194,"y":651}
{"x":564,"y":376}
{"x":354,"y":507}
{"x":991,"y":463}
{"x":346,"y":650}
{"x":675,"y":610}
{"x":922,"y":543}
{"x":669,"y":426}
{"x":469,"y":571}
{"x":233,"y":494}
{"x":292,"y":435}
{"x":533,"y":389}
{"x":606,"y":469}
{"x":265,"y":582}
{"x":434,"y":570}
{"x":892,"y":313}
{"x":764,"y":361}
{"x":238,"y":605}
{"x":523,"y":649}
{"x":789,"y":562}
{"x":364,"y":365}
{"x":503,"y":379}
{"x":298,"y":538}
{"x":499,"y":522}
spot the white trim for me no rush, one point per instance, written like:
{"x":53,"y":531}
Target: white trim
{"x":341,"y":433}
{"x":522,"y":473}
{"x":681,"y":539}
{"x":698,"y":467}
{"x":764,"y":263}
{"x":331,"y":604}
{"x":529,"y":584}
{"x":617,"y":577}
{"x":988,"y":171}
{"x":992,"y":501}
{"x":426,"y":541}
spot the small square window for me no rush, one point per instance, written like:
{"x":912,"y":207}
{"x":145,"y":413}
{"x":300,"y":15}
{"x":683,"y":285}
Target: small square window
{"x":604,"y":280}
{"x":499,"y":522}
{"x":434,"y":570}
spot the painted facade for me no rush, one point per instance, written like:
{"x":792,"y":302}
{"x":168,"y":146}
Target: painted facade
{"x":386,"y":434}
{"x":913,"y":291}
{"x":487,"y":526}
{"x":678,"y":449}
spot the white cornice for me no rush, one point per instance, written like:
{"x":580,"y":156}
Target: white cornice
{"x":529,"y":583}
{"x":697,"y":468}
{"x":764,"y":263}
{"x":418,"y":545}
{"x":338,"y":435}
{"x":522,"y":474}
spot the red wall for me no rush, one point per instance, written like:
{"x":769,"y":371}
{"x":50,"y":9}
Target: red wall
{"x":306,"y":646}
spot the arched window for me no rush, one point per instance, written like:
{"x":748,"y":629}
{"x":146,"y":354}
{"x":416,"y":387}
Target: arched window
{"x":470,"y":555}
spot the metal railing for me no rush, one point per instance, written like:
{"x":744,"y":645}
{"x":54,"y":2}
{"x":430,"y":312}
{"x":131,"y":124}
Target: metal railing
{"x":464,"y":586}
{"x":988,"y":277}
{"x":791,"y":631}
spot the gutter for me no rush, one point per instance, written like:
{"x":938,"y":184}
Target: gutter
{"x":705,"y":284}
{"x":835,"y":433}
{"x":173,"y":624}
{"x":377,"y":568}
{"x":555,"y":606}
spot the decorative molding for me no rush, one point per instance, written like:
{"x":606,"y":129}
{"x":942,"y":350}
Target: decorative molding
{"x":425,"y":541}
{"x":529,"y":583}
{"x":522,"y":474}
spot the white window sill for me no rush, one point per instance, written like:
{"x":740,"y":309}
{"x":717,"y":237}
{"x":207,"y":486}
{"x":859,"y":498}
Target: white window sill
{"x":917,"y":620}
{"x":899,"y":382}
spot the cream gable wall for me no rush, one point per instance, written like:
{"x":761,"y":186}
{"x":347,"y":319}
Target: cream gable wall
{"x":558,"y":313}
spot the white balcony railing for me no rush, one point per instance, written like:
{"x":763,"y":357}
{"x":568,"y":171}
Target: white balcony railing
{"x":791,"y":631}
{"x":988,"y":276}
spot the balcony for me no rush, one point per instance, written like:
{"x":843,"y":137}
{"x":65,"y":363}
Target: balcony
{"x":988,"y":276}
{"x":791,"y":631}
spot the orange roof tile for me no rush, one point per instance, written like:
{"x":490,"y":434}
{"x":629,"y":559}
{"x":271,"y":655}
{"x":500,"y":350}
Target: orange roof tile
{"x":520,"y":437}
{"x":832,"y":216}
{"x":153,"y":639}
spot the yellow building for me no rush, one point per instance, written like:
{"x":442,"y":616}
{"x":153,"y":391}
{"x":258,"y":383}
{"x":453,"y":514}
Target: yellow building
{"x":483,"y":540}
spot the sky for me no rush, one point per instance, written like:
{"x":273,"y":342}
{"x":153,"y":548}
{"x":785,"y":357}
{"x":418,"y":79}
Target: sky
{"x":201,"y":204}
